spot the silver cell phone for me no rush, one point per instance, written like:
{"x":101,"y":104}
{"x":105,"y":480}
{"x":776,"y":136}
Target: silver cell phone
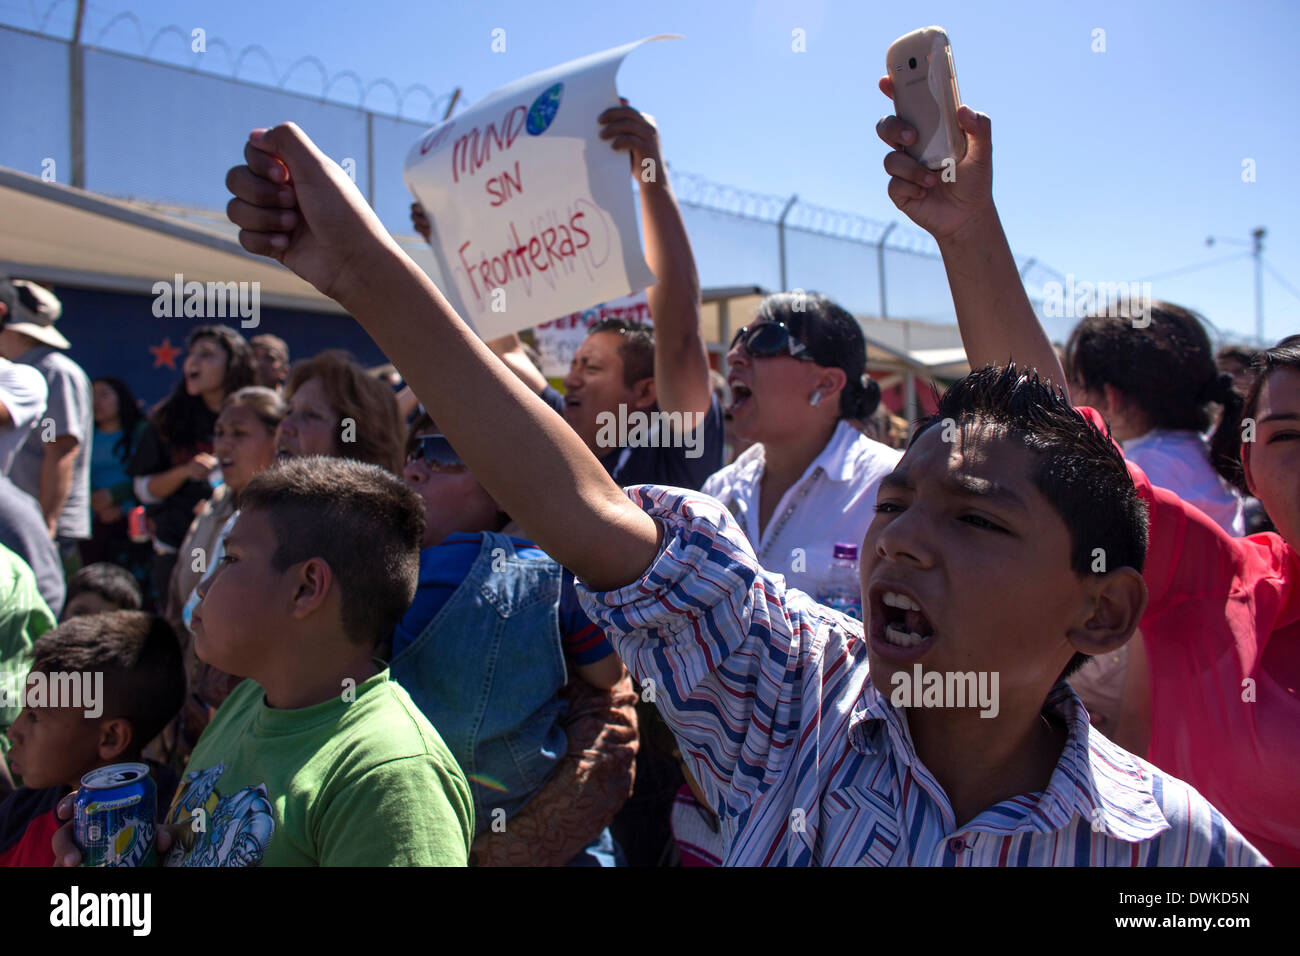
{"x":925,"y":95}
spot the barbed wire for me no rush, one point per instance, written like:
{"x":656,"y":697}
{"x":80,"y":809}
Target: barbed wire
{"x":697,"y":191}
{"x":146,"y":47}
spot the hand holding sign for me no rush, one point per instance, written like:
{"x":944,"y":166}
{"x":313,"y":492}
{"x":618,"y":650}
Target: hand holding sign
{"x":530,"y":216}
{"x":636,"y":133}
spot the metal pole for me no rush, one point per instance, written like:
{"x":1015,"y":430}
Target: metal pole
{"x":370,"y":158}
{"x":780,"y":237}
{"x":1257,"y":250}
{"x":77,"y":101}
{"x":724,"y":333}
{"x":880,"y":267}
{"x":455,"y":98}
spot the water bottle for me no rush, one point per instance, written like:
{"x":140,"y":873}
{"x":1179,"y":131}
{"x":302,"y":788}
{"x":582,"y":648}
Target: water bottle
{"x":840,"y":588}
{"x":214,"y":478}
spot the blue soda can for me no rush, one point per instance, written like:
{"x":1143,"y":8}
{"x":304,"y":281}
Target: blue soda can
{"x":113,"y":820}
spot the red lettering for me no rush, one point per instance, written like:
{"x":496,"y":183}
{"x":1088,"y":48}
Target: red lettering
{"x":514,"y":124}
{"x":519,"y":250}
{"x":548,"y":240}
{"x":505,"y":270}
{"x":573,"y":223}
{"x":469,"y":270}
{"x":517,"y":182}
{"x":494,"y":189}
{"x":474,"y":149}
{"x":534,"y":249}
{"x":566,"y":241}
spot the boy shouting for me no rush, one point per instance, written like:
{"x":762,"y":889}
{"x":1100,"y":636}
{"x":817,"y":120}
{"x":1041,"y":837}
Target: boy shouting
{"x":781,"y":706}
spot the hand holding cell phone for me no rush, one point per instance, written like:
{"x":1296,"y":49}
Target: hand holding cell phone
{"x":945,"y":199}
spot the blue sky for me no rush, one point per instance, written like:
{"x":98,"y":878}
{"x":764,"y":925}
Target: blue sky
{"x":1112,"y":166}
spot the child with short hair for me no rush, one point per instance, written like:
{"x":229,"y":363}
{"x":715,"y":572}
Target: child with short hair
{"x":102,"y":587}
{"x":787,"y":713}
{"x":318,"y":758}
{"x":57,"y":742}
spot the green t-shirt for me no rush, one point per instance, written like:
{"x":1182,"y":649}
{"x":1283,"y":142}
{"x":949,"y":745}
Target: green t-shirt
{"x":24,"y":616}
{"x":361,"y":783}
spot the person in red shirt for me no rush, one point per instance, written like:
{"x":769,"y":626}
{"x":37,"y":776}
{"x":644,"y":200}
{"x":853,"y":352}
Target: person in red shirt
{"x":1221,"y":631}
{"x":139,"y":687}
{"x":1220,"y":639}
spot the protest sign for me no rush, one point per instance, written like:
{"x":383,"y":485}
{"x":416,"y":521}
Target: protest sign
{"x":557,"y":340}
{"x":532,"y":212}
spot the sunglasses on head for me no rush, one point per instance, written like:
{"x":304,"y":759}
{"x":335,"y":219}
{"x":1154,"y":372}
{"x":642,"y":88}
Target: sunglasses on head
{"x":435,"y":451}
{"x":769,"y":339}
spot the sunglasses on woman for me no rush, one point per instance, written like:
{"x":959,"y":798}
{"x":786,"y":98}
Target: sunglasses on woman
{"x":769,"y":339}
{"x":436,"y":452}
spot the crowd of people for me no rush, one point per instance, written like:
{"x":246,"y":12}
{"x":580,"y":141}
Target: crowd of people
{"x":434,"y":618}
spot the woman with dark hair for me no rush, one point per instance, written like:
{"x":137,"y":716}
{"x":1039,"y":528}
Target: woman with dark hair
{"x":173,"y":463}
{"x":119,"y":424}
{"x":808,"y":482}
{"x":338,"y":409}
{"x":1149,"y":368}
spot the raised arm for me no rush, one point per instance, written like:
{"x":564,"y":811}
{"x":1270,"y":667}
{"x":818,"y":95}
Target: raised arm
{"x":996,"y":319}
{"x":295,"y":205}
{"x":681,"y":361}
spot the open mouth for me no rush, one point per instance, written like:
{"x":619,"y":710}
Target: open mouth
{"x":899,"y":628}
{"x":905,"y":624}
{"x":740,"y":396}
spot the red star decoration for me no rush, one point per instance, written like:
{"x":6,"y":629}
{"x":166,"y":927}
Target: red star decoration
{"x":165,"y":354}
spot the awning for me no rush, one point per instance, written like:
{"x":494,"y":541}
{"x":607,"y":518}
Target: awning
{"x":61,"y":235}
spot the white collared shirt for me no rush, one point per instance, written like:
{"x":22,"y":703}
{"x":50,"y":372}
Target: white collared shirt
{"x":1180,"y":461}
{"x":834,"y":501}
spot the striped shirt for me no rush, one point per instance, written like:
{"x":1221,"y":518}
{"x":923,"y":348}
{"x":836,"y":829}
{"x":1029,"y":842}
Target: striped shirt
{"x":805,"y":763}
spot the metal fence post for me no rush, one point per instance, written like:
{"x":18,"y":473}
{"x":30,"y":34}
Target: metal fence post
{"x":880,"y":267}
{"x":370,"y":158}
{"x":780,"y":237}
{"x":77,"y":100}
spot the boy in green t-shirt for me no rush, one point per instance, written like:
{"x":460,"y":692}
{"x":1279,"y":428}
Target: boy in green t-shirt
{"x":317,"y":758}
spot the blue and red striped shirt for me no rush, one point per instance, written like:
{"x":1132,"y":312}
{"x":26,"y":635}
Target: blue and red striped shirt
{"x":805,"y":763}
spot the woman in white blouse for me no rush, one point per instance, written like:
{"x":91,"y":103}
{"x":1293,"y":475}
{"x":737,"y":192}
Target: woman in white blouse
{"x":798,"y":378}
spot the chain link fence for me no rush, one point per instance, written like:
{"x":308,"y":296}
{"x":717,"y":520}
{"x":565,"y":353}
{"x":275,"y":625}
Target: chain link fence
{"x":165,"y":134}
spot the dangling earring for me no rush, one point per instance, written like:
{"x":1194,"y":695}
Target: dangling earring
{"x":815,"y":399}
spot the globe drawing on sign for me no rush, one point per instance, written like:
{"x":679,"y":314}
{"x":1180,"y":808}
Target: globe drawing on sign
{"x":543,"y":110}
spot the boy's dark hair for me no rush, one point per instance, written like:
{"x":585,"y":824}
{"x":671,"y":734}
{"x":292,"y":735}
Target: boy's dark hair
{"x":637,"y":349}
{"x":114,"y":584}
{"x":139,"y":656}
{"x":1077,"y":468}
{"x":833,"y":337}
{"x":1167,"y":368}
{"x":363,"y":522}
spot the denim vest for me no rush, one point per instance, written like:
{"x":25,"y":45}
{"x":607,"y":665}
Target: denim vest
{"x":487,"y":671}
